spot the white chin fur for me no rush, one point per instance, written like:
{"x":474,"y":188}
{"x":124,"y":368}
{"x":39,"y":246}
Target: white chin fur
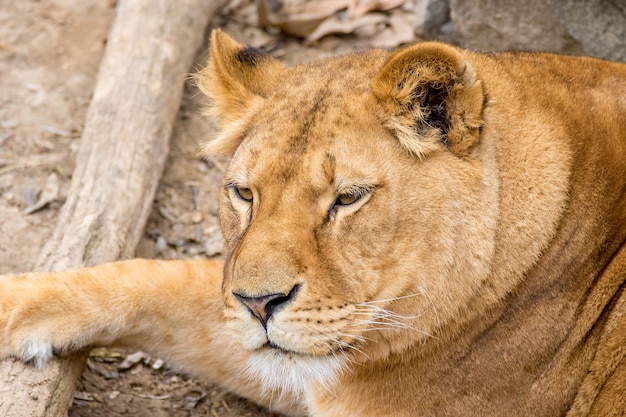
{"x":285,"y":372}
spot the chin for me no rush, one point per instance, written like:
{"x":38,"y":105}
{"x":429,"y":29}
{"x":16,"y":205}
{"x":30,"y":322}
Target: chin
{"x":284,"y":371}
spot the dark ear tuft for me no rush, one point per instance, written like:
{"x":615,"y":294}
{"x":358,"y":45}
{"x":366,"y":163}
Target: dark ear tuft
{"x":237,"y":79}
{"x":251,"y":55}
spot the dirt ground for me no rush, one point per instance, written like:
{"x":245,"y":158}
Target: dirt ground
{"x":50,"y":52}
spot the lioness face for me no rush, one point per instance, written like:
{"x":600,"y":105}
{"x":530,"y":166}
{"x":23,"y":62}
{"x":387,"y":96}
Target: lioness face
{"x":340,"y":241}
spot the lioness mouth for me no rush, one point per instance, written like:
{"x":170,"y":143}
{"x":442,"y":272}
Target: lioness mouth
{"x":271,"y":346}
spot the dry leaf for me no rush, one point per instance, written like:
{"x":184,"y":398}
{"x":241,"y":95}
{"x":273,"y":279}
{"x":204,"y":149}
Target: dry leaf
{"x":313,"y":19}
{"x":335,"y":25}
{"x":398,"y":32}
{"x":362,"y":7}
{"x":325,"y":7}
{"x":50,"y":193}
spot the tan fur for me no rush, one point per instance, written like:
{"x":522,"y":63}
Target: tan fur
{"x":444,"y":231}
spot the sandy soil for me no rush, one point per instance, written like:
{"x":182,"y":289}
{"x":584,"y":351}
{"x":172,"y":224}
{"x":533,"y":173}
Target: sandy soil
{"x":49,"y":57}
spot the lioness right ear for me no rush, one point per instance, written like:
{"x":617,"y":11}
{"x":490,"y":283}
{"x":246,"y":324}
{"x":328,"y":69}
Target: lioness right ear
{"x":429,"y":96}
{"x":237,"y":78}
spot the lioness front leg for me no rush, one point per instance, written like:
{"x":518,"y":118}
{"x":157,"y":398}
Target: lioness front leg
{"x":168,"y":308}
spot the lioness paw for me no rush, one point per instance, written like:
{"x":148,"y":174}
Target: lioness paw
{"x":37,"y":352}
{"x":21,"y":344}
{"x":29,"y":351}
{"x":30,"y":345}
{"x":22,"y":335}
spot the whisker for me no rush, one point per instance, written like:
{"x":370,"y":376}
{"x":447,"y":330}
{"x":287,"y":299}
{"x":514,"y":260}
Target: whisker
{"x":378,"y":325}
{"x":389,"y":325}
{"x":326,"y":387}
{"x":390,"y":299}
{"x":349,"y":346}
{"x":423,"y":332}
{"x":344,"y":358}
{"x":386,"y":313}
{"x":434,"y":307}
{"x":356,"y":337}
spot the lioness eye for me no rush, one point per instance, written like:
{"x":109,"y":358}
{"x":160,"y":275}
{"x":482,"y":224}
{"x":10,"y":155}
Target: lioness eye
{"x":347,"y":199}
{"x":244,"y":193}
{"x":350,"y":198}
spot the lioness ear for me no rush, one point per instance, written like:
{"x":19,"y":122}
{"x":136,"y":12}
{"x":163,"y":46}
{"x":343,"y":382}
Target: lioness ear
{"x":236,"y":78}
{"x":429,"y":95}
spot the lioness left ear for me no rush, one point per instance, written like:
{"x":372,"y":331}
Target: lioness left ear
{"x":236,"y":79}
{"x":429,"y":95}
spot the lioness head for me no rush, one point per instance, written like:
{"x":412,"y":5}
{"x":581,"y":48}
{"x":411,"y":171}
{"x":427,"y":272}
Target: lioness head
{"x":358,"y":210}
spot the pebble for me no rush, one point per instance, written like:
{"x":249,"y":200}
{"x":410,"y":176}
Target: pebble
{"x":197,"y":217}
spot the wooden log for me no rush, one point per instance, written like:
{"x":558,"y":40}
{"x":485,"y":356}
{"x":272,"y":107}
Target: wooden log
{"x":124,"y":145}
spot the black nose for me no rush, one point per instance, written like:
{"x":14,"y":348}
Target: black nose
{"x":264,"y":306}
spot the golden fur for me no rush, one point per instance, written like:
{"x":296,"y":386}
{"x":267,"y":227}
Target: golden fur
{"x":428,"y":231}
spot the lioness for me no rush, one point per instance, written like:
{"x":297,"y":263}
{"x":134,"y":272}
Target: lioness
{"x":423,"y":232}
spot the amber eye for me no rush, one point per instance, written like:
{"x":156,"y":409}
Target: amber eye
{"x":350,"y":199}
{"x":347,"y":199}
{"x":244,"y":193}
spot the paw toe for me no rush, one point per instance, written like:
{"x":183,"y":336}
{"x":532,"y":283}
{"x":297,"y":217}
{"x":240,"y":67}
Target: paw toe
{"x":37,"y":351}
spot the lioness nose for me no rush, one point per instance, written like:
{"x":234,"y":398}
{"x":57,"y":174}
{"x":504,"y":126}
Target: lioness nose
{"x":264,"y":306}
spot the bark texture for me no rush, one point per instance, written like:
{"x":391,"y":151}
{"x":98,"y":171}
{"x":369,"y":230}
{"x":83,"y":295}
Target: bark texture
{"x":151,"y":46}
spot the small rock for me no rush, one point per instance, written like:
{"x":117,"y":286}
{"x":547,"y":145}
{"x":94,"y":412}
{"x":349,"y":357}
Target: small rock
{"x":192,"y":400}
{"x":9,"y":196}
{"x":57,"y":131}
{"x":132,"y":360}
{"x":157,"y":364}
{"x":33,"y":87}
{"x":84,"y":396}
{"x":103,"y":369}
{"x":161,"y":245}
{"x":50,"y":193}
{"x":213,"y":245}
{"x":9,"y":124}
{"x":197,"y":217}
